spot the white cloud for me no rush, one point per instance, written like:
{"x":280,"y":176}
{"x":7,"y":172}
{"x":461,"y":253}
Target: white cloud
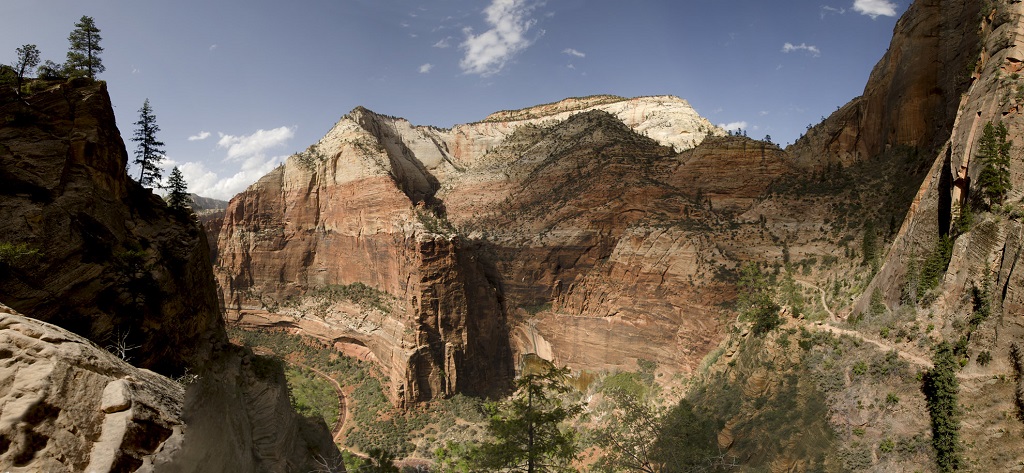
{"x":256,"y":144}
{"x":249,"y":150}
{"x":874,"y":8}
{"x":573,"y":52}
{"x":207,"y":183}
{"x":212,"y":47}
{"x":202,"y":135}
{"x":426,"y":68}
{"x":733,"y":126}
{"x":828,"y":10}
{"x":790,"y":47}
{"x":444,"y":43}
{"x":488,"y":52}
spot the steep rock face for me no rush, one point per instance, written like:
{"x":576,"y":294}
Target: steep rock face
{"x":987,"y":252}
{"x":615,"y":233}
{"x":343,"y":213}
{"x":102,"y":260}
{"x":87,"y":249}
{"x":976,"y":304}
{"x":912,"y":94}
{"x":459,"y":230}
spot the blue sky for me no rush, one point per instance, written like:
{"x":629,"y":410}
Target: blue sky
{"x":237,"y":86}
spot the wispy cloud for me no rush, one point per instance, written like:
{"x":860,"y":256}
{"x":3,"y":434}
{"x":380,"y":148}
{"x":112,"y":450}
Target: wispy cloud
{"x":488,"y":52}
{"x":573,"y":52}
{"x":255,"y":145}
{"x":790,"y":47}
{"x":829,"y":10}
{"x":733,"y":126}
{"x":874,"y":8}
{"x":444,"y":43}
{"x":202,"y":135}
{"x":426,"y":68}
{"x":213,"y":47}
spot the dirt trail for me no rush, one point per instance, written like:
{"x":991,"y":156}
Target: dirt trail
{"x":911,"y":357}
{"x":821,"y":292}
{"x":342,"y":413}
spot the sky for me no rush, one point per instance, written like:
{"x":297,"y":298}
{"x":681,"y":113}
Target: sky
{"x":237,"y":86}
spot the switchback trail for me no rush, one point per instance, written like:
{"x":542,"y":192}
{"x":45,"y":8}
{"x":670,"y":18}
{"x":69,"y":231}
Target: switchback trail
{"x":911,"y":357}
{"x":821,"y":292}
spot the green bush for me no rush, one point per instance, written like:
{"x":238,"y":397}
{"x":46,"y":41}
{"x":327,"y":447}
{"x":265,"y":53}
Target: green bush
{"x":14,"y":253}
{"x":311,"y":395}
{"x":984,"y":358}
{"x":887,"y":445}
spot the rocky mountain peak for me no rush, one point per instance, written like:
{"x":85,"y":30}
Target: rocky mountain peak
{"x":571,"y":104}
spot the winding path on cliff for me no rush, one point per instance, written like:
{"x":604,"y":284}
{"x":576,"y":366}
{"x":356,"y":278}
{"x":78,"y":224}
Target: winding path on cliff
{"x":821,"y":292}
{"x":828,"y":327}
{"x":342,"y":413}
{"x":339,"y":425}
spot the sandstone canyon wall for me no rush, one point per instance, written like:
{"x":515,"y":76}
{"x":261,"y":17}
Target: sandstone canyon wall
{"x":559,"y":226}
{"x":912,"y":94}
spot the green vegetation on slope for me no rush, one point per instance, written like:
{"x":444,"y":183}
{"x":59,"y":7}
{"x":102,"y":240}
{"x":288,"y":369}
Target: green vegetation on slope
{"x":311,"y":395}
{"x":372,"y":422}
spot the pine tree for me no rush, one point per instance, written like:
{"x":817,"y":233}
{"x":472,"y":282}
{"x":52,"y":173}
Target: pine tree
{"x":84,"y":54}
{"x":994,"y":153}
{"x":940,"y":388}
{"x":527,"y":431}
{"x":177,"y":196}
{"x":28,"y":59}
{"x":149,"y":151}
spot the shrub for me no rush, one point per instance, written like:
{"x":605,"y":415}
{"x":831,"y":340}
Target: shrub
{"x":892,"y":399}
{"x":12,"y":253}
{"x":984,"y":358}
{"x":887,"y":445}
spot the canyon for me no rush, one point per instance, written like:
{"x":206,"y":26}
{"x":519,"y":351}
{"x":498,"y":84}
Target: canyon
{"x":600,"y":233}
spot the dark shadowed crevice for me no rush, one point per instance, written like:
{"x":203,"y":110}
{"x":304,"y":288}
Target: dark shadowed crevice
{"x":945,"y":194}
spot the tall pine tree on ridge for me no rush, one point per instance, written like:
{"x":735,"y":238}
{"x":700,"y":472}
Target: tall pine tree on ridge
{"x":84,"y":54}
{"x":149,"y":151}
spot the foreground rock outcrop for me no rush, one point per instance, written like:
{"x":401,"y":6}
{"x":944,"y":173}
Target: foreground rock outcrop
{"x":85,"y":248}
{"x":68,"y":405}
